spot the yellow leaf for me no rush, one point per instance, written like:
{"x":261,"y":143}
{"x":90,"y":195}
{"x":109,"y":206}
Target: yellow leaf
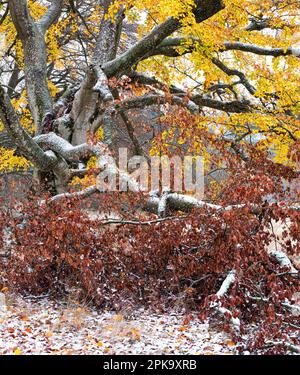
{"x":230,"y":343}
{"x":182,"y":329}
{"x":17,"y":351}
{"x":118,"y":318}
{"x":49,"y":334}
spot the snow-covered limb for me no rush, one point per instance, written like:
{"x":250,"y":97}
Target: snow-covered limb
{"x":283,"y":260}
{"x":162,"y":205}
{"x":278,"y":230}
{"x":230,"y":279}
{"x":143,"y":223}
{"x":53,"y":142}
{"x":236,"y":323}
{"x":80,"y":194}
{"x":185,"y":202}
{"x":109,"y":172}
{"x":292,"y":347}
{"x":102,"y":85}
{"x":217,"y":305}
{"x":295,"y":309}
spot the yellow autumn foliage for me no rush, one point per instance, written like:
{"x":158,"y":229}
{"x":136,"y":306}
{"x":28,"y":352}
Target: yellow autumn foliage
{"x":271,"y":76}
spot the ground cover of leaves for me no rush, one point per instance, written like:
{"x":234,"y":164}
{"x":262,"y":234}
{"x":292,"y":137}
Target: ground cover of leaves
{"x":46,"y":327}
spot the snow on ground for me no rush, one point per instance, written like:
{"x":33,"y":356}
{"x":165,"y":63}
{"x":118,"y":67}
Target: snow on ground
{"x":47,"y":327}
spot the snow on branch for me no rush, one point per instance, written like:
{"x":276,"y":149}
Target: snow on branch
{"x":77,"y":195}
{"x":53,"y":142}
{"x":217,"y":305}
{"x":292,"y":347}
{"x":230,"y":279}
{"x":102,"y":85}
{"x":283,"y":260}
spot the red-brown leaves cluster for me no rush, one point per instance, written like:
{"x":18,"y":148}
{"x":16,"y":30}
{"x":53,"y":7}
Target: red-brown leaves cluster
{"x":58,"y":248}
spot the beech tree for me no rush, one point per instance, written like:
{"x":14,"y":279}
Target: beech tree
{"x":223,"y":79}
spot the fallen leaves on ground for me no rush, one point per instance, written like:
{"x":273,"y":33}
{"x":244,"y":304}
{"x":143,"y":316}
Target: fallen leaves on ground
{"x":47,"y":327}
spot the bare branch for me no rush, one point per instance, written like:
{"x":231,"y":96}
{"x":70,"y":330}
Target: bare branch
{"x":258,"y":50}
{"x":226,"y":285}
{"x":234,"y":106}
{"x":235,"y":72}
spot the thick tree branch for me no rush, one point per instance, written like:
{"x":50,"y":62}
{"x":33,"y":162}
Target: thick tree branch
{"x":203,"y":11}
{"x":226,"y":285}
{"x":234,"y":106}
{"x":60,"y":146}
{"x":21,"y":138}
{"x":192,"y":104}
{"x":153,"y":99}
{"x":169,"y":47}
{"x":52,"y":14}
{"x":258,"y":50}
{"x":21,"y":17}
{"x":77,"y":195}
{"x":95,"y":86}
{"x":35,"y":60}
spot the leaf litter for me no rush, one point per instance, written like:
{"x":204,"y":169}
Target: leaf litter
{"x":46,"y":327}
